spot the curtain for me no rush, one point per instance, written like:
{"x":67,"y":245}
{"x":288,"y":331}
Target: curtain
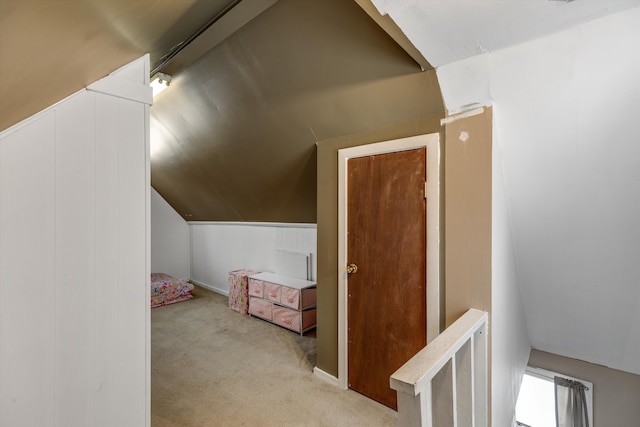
{"x":571,"y":403}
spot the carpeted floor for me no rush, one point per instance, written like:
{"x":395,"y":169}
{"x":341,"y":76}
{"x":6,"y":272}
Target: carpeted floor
{"x":211,"y":366}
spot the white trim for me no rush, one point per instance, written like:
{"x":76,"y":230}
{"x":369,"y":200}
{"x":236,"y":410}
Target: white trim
{"x":432,"y":144}
{"x":463,"y":115}
{"x":326,"y":377}
{"x":147,"y":178}
{"x":210,"y":287}
{"x":118,"y":85}
{"x":124,"y":89}
{"x":460,"y":355}
{"x":412,"y":377}
{"x":256,"y":224}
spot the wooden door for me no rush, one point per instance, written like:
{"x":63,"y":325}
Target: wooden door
{"x":386,"y":239}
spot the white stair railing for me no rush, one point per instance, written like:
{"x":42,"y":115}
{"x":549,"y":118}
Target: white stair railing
{"x":445,"y":384}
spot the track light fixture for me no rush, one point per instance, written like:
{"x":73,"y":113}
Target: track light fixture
{"x":160,"y":82}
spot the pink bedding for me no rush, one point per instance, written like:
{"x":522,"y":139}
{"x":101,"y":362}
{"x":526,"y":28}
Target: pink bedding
{"x":166,"y":289}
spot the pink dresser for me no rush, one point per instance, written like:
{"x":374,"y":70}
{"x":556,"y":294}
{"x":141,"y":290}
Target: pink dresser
{"x":286,"y":301}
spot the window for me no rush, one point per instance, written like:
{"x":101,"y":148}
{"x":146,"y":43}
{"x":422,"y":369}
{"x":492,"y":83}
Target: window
{"x":536,"y":406}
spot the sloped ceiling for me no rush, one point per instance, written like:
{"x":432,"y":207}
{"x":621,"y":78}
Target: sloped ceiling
{"x":563,"y":79}
{"x":445,"y":31}
{"x":51,"y":49}
{"x":234,"y":136}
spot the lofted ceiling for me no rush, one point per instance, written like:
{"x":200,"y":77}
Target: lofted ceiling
{"x":445,"y":31}
{"x":51,"y":49}
{"x":234,"y":137}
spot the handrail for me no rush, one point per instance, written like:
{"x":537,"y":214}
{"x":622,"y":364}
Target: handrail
{"x":452,"y":367}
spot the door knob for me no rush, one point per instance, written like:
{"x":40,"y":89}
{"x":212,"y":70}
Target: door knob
{"x":352,"y":268}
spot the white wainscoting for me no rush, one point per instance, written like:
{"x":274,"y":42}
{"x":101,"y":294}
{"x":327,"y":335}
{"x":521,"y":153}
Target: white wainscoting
{"x":220,"y":247}
{"x":74,"y":272}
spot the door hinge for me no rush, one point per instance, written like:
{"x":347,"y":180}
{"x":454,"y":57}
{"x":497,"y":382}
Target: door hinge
{"x":425,"y":189}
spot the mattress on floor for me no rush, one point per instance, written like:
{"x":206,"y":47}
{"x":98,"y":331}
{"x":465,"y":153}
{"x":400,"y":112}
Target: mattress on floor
{"x":166,"y":289}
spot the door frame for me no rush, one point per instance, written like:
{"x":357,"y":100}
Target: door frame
{"x":432,"y":144}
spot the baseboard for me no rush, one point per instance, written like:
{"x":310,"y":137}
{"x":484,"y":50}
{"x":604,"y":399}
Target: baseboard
{"x":326,"y":377}
{"x":210,"y":287}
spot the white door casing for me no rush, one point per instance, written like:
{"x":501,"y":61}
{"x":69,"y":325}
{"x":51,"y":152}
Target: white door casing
{"x":432,"y":144}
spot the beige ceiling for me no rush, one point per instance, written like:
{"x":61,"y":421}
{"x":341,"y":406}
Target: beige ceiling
{"x":234,"y":136}
{"x":255,"y":93}
{"x":51,"y":49}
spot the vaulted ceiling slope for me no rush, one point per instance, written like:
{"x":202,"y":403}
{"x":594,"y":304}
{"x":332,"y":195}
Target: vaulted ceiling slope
{"x":51,"y":49}
{"x":445,"y":31}
{"x":234,"y":136}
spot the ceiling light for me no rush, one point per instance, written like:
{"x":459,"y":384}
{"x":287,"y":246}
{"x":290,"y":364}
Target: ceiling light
{"x":160,"y":82}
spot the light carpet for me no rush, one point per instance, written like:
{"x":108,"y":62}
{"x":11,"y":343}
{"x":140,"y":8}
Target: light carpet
{"x":211,"y":366}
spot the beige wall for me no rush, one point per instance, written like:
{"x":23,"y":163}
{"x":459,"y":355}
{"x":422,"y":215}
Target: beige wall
{"x":616,"y":394}
{"x":467,"y":241}
{"x":468,"y":215}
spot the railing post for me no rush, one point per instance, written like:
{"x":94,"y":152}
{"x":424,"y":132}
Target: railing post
{"x":464,"y":385}
{"x":480,"y":377}
{"x":445,"y":384}
{"x":444,"y":396}
{"x":415,"y":410}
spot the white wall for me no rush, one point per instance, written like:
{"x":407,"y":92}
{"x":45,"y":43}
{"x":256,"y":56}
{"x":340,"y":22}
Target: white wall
{"x":74,"y":277}
{"x":218,"y":248}
{"x":567,"y":105}
{"x":510,"y":345}
{"x":566,"y":198}
{"x":169,"y":239}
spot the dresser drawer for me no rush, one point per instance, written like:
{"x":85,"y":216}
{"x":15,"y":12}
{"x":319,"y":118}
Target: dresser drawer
{"x":256,"y":288}
{"x":261,"y":308}
{"x":290,"y":297}
{"x":298,"y":298}
{"x":272,"y":291}
{"x":290,"y":319}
